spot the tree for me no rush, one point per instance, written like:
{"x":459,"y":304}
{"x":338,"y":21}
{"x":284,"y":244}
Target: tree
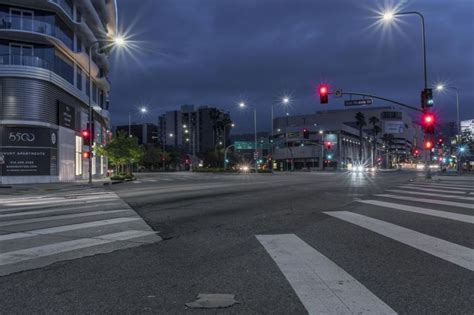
{"x":388,"y":141}
{"x":375,"y":130}
{"x":360,"y":121}
{"x":123,"y":150}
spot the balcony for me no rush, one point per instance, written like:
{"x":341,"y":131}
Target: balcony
{"x":27,"y":25}
{"x":29,"y":61}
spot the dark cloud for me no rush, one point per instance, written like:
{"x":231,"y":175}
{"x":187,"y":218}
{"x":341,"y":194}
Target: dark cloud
{"x":215,"y":52}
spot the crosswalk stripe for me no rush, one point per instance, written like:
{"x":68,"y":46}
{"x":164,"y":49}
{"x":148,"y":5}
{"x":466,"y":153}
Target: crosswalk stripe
{"x":448,"y":185}
{"x":433,"y":201}
{"x":454,"y":253}
{"x":436,"y":213}
{"x":455,"y":192}
{"x":17,"y":204}
{"x":61,"y":217}
{"x":465,"y":189}
{"x":39,"y":211}
{"x":321,"y":285}
{"x":65,"y":228}
{"x":52,"y":197}
{"x":57,"y":248}
{"x":430,"y":194}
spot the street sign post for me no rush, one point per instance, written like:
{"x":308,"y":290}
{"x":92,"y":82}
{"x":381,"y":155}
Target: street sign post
{"x":367,"y":101}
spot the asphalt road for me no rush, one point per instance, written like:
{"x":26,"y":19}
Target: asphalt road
{"x":327,"y":248}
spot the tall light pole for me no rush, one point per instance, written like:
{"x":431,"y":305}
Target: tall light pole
{"x":243,"y":105}
{"x":119,"y":41}
{"x":285,"y":101}
{"x":389,"y":16}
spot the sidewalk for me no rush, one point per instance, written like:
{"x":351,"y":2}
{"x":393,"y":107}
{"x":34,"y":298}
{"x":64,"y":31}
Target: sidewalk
{"x":51,"y":187}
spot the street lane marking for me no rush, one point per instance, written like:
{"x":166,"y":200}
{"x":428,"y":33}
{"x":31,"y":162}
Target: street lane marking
{"x":438,"y":202}
{"x":456,"y":192}
{"x":430,"y":194}
{"x":65,"y":228}
{"x":57,"y":248}
{"x":322,"y":286}
{"x":61,"y":217}
{"x":440,"y":187}
{"x":64,"y":209}
{"x":53,"y":197}
{"x":34,"y":204}
{"x":436,"y":213}
{"x":454,"y":253}
{"x":448,"y":185}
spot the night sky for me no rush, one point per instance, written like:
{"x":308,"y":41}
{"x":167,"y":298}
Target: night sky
{"x":218,"y":52}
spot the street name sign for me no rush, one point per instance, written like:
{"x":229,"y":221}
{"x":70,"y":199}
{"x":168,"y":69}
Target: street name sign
{"x":366,"y":101}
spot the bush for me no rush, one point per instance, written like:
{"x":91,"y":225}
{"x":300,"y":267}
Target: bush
{"x":123,"y":176}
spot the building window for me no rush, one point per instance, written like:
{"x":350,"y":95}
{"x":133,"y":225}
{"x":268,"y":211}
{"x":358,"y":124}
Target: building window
{"x":88,"y":86}
{"x":64,"y":33}
{"x":79,"y":78}
{"x":78,"y":44}
{"x":78,"y":16}
{"x":64,"y":67}
{"x":78,"y":155}
{"x":94,"y":92}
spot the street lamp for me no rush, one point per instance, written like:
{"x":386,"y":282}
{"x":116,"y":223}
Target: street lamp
{"x":117,"y":41}
{"x":441,"y":87}
{"x":389,"y":16}
{"x":143,"y":110}
{"x":243,"y":105}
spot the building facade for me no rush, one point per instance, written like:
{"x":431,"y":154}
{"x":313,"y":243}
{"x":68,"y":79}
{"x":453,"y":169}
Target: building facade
{"x":45,"y":86}
{"x":197,"y":130}
{"x":332,"y":138}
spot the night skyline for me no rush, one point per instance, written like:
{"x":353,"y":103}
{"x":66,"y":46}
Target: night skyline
{"x":218,"y":53}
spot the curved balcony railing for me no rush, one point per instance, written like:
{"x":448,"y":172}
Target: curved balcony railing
{"x":36,"y":26}
{"x":22,"y":60}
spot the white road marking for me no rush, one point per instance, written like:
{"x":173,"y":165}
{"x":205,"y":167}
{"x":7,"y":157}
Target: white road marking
{"x":454,"y":253}
{"x":61,"y":217}
{"x":66,"y":228}
{"x":449,"y":185}
{"x":51,"y":204}
{"x":456,"y":192}
{"x":64,"y":209}
{"x":430,"y":194}
{"x":57,"y":248}
{"x":439,"y":202}
{"x":436,"y":213}
{"x":322,"y":286}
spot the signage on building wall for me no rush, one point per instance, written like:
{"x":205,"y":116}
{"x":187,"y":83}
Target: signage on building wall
{"x":28,"y":151}
{"x":467,"y":126}
{"x":393,"y":127}
{"x":66,"y":116}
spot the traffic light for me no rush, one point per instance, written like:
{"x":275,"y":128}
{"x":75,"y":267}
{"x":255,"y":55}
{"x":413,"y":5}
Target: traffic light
{"x":306,"y":133}
{"x":328,"y":145}
{"x":86,"y":155}
{"x":427,"y":98}
{"x":428,"y":121}
{"x":429,"y":144}
{"x":323,"y":94}
{"x":86,"y":136}
{"x":416,"y":152}
{"x":440,"y":141}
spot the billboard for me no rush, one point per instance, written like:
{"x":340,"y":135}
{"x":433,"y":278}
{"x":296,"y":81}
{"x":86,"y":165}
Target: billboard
{"x":393,"y":127}
{"x":28,"y":151}
{"x":467,"y":125}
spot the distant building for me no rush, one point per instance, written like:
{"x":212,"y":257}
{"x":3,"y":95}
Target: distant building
{"x":146,"y":132}
{"x":333,"y":138}
{"x":195,"y":130}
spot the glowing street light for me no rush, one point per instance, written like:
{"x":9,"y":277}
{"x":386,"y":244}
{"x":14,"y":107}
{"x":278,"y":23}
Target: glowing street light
{"x":143,"y":110}
{"x":120,"y":41}
{"x":387,"y":16}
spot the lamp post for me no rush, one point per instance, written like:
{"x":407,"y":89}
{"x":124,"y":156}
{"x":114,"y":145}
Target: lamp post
{"x":389,"y":16}
{"x":243,"y":105}
{"x":119,"y":41}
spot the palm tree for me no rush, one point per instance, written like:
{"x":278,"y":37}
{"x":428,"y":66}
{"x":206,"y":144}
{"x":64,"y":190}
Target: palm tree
{"x":375,"y":130}
{"x":388,"y":141}
{"x":360,"y":121}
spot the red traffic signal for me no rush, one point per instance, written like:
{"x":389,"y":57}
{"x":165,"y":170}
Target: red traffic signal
{"x":86,"y":136}
{"x":87,"y":154}
{"x":428,"y":121}
{"x":416,"y":152}
{"x":440,"y":141}
{"x":323,"y":94}
{"x":328,"y":145}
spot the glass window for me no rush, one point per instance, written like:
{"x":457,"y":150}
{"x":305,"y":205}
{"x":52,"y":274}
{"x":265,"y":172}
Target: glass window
{"x":64,"y":33}
{"x":78,"y":44}
{"x":79,"y":78}
{"x":94,"y":92}
{"x":88,"y":86}
{"x":78,"y":16}
{"x":64,"y":67}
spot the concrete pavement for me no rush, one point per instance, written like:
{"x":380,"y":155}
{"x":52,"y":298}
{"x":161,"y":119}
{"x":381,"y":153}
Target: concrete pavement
{"x":373,"y":246}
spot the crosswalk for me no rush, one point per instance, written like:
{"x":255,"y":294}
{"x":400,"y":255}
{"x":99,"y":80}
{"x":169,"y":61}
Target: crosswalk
{"x":324,"y":287}
{"x":38,"y":230}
